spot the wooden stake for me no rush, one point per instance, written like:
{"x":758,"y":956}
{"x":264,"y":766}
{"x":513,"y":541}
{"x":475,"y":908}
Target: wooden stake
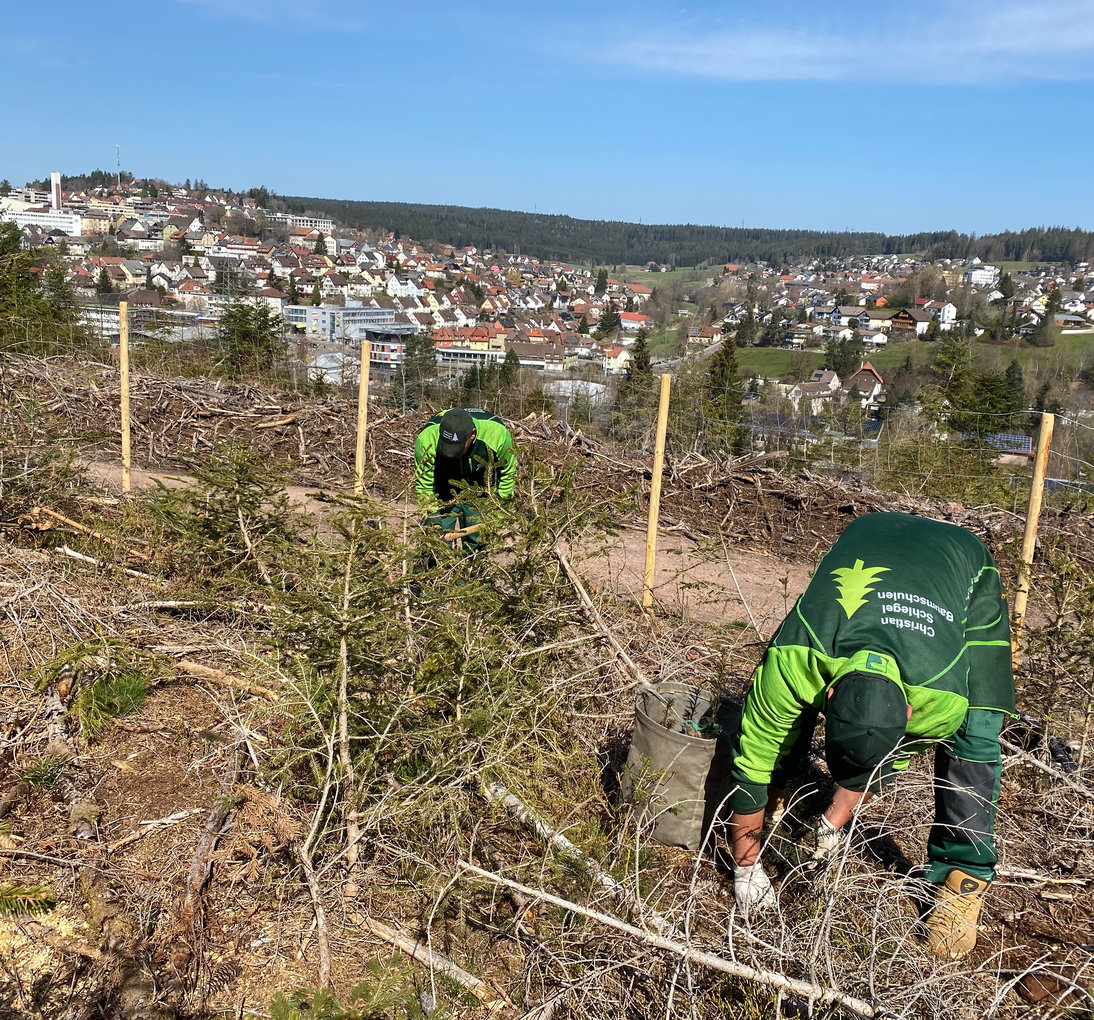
{"x":1029,"y":539}
{"x":655,"y":488}
{"x":362,"y":420}
{"x":123,"y":358}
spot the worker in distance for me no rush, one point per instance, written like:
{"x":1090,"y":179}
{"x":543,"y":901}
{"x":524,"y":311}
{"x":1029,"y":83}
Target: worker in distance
{"x":462,"y":454}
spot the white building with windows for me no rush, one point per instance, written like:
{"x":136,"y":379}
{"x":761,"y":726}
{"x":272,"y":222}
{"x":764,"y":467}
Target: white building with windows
{"x":337,"y":322}
{"x":50,"y":219}
{"x":981,"y":276}
{"x":309,"y":222}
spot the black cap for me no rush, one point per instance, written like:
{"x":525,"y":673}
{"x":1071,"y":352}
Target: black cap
{"x":865,"y":719}
{"x":456,"y":426}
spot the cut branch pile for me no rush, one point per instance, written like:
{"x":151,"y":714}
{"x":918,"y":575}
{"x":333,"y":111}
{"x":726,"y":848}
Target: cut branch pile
{"x":551,"y":900}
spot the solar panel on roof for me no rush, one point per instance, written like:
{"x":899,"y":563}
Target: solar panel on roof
{"x":1010,"y":442}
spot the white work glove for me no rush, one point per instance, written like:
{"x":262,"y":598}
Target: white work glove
{"x":752,"y":888}
{"x":826,"y":840}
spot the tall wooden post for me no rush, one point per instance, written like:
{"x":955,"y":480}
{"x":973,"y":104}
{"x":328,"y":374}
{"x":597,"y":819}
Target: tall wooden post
{"x":1033,"y":514}
{"x":362,"y":420}
{"x":123,"y":359}
{"x":655,"y":488}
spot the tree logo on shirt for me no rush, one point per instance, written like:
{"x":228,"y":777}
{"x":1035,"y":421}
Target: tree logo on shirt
{"x":854,"y":584}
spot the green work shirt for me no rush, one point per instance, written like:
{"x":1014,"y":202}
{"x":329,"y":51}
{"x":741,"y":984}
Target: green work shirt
{"x":490,"y":464}
{"x":916,"y":600}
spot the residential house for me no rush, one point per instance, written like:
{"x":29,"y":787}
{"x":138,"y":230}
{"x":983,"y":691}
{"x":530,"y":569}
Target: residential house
{"x":614,"y":358}
{"x":817,"y":392}
{"x":194,"y":295}
{"x":271,"y":297}
{"x":945,"y":312}
{"x":334,"y":285}
{"x":632,"y":322}
{"x":868,"y":383}
{"x":843,"y":315}
{"x":803,"y":335}
{"x":180,"y":225}
{"x":131,"y":230}
{"x":912,"y":319}
{"x":875,"y":319}
{"x":547,"y":357}
{"x":830,"y":333}
{"x":704,"y":336}
{"x":404,"y":287}
{"x":358,"y":288}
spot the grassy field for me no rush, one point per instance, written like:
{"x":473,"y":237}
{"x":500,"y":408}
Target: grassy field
{"x":1070,"y":356}
{"x":772,"y":362}
{"x":686,"y":276}
{"x":661,"y":340}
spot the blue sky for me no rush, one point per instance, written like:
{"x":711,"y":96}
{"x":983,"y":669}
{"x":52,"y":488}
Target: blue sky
{"x":860,"y":114}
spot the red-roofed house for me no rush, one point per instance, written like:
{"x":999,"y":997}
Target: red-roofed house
{"x":867,"y":380}
{"x":614,"y":358}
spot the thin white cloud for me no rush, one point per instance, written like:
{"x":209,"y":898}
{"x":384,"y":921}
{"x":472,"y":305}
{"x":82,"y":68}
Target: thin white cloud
{"x":315,"y":15}
{"x":964,"y":43}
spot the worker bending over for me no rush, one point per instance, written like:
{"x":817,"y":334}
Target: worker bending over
{"x":462,"y":453}
{"x":902,"y":640}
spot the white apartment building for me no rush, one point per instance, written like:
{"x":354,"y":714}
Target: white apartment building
{"x":310,"y":222}
{"x":981,"y":276}
{"x":51,"y":219}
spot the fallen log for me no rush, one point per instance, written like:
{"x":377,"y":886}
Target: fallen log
{"x":227,"y":679}
{"x":435,"y":962}
{"x":771,"y":979}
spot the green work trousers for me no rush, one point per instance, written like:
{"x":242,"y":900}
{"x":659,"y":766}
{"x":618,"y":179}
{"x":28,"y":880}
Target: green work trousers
{"x":456,"y":517}
{"x":967,"y":772}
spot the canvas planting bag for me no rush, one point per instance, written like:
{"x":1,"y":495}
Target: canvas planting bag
{"x":665,"y":780}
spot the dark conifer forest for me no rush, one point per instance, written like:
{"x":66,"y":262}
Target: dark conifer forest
{"x":603,"y":242}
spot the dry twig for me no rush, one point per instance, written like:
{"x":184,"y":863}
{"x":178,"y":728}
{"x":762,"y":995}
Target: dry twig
{"x":583,"y":595}
{"x":435,"y":962}
{"x":770,"y":979}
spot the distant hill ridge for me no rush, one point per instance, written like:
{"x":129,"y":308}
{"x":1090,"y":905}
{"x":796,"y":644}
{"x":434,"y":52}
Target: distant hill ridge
{"x":603,"y":242}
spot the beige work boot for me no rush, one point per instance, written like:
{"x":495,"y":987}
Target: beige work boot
{"x":951,"y":926}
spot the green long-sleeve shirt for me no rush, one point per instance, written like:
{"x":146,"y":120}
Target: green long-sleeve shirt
{"x":915,"y":600}
{"x":491,"y":463}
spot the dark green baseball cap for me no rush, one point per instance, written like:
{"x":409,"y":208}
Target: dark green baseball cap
{"x":455,"y":427}
{"x":864,"y":720}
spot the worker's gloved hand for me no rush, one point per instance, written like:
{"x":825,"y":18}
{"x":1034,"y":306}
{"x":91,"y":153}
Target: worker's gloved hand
{"x":826,"y":840}
{"x":752,"y":888}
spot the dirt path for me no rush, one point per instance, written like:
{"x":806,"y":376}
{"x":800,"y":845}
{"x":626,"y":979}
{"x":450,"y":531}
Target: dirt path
{"x":740,"y":587}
